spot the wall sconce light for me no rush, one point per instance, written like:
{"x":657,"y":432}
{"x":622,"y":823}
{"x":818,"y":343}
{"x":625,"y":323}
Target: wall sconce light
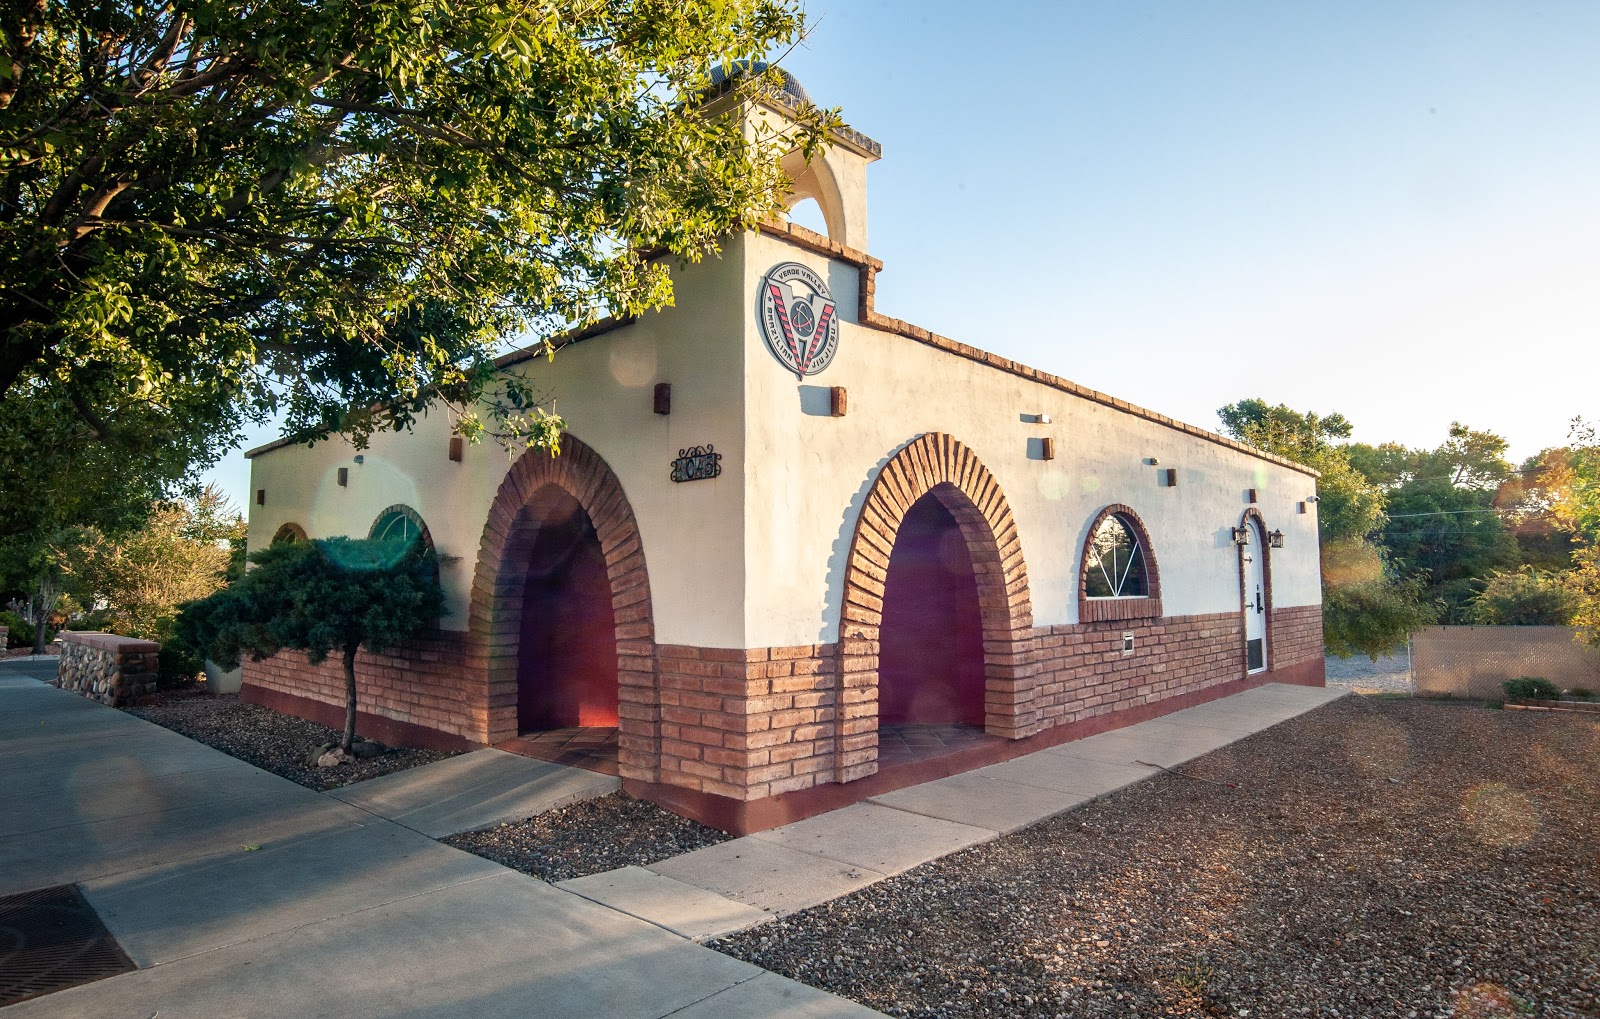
{"x":663,"y":398}
{"x":344,"y":477}
{"x":1241,"y":536}
{"x":838,"y":401}
{"x":1275,"y":539}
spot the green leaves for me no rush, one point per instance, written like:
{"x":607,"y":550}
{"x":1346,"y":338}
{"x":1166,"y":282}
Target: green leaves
{"x":218,"y":211}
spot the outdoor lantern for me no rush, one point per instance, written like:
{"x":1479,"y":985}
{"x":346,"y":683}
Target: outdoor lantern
{"x":1275,"y":539}
{"x":1241,"y":536}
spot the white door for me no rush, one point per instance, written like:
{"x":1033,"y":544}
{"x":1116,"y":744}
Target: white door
{"x":1253,"y":561}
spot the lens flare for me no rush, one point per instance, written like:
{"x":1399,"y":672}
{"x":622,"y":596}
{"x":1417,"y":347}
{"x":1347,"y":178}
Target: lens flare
{"x":1498,"y":815}
{"x":633,"y":360}
{"x":1054,"y":486}
{"x":1489,"y":1001}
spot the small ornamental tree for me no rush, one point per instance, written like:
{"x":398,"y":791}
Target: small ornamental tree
{"x":325,"y":597}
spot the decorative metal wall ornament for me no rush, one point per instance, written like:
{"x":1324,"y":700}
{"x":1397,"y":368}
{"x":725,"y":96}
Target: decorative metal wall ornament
{"x":697,"y":463}
{"x":798,"y":320}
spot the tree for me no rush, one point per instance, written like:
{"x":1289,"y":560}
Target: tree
{"x":323,"y":597}
{"x":1443,"y":520}
{"x":1366,"y":607}
{"x":1531,"y":503}
{"x":1580,"y":511}
{"x":180,"y":554}
{"x":215,"y":211}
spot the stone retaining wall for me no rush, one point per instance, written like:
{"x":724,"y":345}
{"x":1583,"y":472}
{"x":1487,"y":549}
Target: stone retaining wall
{"x":119,"y":671}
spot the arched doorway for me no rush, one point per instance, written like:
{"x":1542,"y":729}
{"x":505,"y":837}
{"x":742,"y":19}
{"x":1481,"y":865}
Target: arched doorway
{"x":930,"y":665}
{"x":1255,"y":591}
{"x":567,"y":654}
{"x":550,"y":514}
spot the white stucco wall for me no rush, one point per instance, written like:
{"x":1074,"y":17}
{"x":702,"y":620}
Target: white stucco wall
{"x":692,"y":533}
{"x":756,"y":557}
{"x":807,"y":474}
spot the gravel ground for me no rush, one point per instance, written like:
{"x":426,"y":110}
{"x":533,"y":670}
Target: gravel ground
{"x":270,"y":741}
{"x":1380,"y":857}
{"x":1360,"y":674}
{"x":588,"y":838}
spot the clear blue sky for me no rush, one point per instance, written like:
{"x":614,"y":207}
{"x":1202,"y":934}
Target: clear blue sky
{"x":1389,"y":210}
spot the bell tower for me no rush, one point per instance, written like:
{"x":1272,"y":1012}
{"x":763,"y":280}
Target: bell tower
{"x":835,"y":178}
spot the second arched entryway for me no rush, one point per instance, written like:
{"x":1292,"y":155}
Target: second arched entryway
{"x":934,"y":516}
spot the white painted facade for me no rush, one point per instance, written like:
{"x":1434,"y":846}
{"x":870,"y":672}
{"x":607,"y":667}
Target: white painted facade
{"x":756,"y":557}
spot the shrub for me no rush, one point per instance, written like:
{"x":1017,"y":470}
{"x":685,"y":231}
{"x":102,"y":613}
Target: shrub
{"x":1531,"y":688}
{"x":20,"y":633}
{"x":1528,"y":597}
{"x":180,"y":663}
{"x":1582,"y":693}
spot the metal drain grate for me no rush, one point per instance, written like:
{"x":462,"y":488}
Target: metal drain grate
{"x":51,"y":939}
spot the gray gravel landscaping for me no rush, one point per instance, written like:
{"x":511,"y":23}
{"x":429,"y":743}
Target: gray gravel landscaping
{"x":271,"y":741}
{"x":1379,"y":857}
{"x":589,"y":838}
{"x":1359,"y":674}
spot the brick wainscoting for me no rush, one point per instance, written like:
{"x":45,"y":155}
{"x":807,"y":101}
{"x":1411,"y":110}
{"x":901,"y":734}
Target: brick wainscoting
{"x":749,"y":738}
{"x":428,"y":693}
{"x":748,"y":724}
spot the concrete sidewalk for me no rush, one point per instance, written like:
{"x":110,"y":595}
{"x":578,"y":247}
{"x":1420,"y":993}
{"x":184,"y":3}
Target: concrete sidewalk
{"x":242,"y":894}
{"x":811,"y":861}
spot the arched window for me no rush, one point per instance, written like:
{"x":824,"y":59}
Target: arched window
{"x":401,"y":523}
{"x":290,"y":532}
{"x":1118,"y":577}
{"x":1114,"y":565}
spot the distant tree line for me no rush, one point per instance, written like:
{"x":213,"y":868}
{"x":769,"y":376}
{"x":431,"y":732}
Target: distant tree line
{"x":1454,"y":534}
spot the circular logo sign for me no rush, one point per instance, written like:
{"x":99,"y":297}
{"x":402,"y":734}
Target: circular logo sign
{"x":797,"y":318}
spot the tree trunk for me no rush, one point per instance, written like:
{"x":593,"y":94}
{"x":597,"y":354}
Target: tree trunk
{"x":349,"y":699}
{"x":44,"y":604}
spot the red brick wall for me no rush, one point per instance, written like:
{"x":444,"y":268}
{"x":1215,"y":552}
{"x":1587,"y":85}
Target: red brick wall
{"x":748,"y":724}
{"x":1294,"y":638}
{"x":436,"y":683}
{"x":1082,"y":671}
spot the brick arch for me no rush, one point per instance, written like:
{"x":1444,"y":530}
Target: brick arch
{"x":938,"y":464}
{"x":1253,"y":514}
{"x":1093,"y":610}
{"x":498,"y":584}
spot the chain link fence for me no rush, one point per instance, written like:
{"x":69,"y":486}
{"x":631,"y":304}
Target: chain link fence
{"x":1472,"y":661}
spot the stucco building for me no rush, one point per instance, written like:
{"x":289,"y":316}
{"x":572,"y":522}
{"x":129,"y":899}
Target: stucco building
{"x":794,"y":552}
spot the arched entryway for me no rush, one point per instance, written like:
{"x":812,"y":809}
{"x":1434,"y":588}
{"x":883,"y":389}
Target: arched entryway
{"x":567,"y":654}
{"x":954,"y":520}
{"x":561,"y":566}
{"x":930,"y":655}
